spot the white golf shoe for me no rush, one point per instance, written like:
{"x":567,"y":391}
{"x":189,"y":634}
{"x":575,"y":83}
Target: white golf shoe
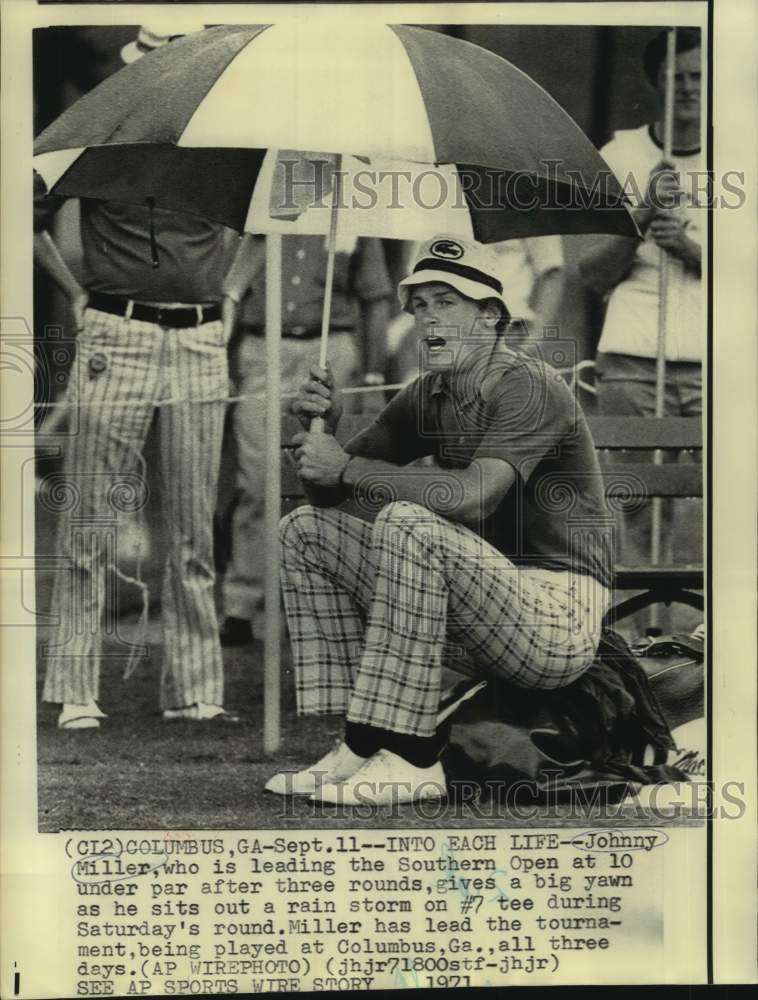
{"x":337,"y":765}
{"x":385,"y":779}
{"x":84,"y":716}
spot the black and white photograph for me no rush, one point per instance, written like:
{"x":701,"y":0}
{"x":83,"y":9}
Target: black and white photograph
{"x":467,"y":555}
{"x":372,"y":494}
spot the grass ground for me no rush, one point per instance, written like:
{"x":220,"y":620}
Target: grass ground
{"x":138,"y":772}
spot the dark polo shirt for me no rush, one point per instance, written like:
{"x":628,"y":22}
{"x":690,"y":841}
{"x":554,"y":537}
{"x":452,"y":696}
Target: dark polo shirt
{"x":504,"y":405}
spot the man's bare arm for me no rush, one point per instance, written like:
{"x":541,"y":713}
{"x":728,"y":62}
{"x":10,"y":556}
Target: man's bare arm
{"x":48,"y":257}
{"x":376,"y":318}
{"x":331,"y":473}
{"x":248,"y":260}
{"x":546,"y":299}
{"x":463,"y":495}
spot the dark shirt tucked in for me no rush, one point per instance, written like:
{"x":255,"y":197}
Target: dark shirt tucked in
{"x":193,"y":254}
{"x":504,"y":405}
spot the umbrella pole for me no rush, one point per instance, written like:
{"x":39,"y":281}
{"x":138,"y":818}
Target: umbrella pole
{"x":663,"y":275}
{"x":272,"y":621}
{"x":656,"y":527}
{"x":317,"y":424}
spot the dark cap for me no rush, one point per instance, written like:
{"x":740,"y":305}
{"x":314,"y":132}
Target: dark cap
{"x":655,"y":50}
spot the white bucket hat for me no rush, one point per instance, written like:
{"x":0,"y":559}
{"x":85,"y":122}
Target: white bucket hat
{"x":468,"y":267}
{"x":157,"y":34}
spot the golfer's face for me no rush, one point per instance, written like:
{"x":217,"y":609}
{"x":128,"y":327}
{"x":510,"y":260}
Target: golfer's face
{"x":447,"y":324}
{"x":686,"y":86}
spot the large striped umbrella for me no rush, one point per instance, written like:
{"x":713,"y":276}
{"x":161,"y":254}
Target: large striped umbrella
{"x":193,"y":127}
{"x":187,"y":125}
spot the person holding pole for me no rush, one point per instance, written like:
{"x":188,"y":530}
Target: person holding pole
{"x":627,"y":271}
{"x":649,"y":360}
{"x":490,"y":542}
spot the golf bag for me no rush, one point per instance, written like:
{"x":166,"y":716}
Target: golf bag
{"x":607,"y":730}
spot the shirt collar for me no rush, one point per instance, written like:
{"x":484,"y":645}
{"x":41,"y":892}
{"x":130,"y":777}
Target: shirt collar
{"x":458,"y":385}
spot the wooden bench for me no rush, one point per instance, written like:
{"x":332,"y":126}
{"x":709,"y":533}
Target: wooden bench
{"x":626,"y":482}
{"x":672,"y":480}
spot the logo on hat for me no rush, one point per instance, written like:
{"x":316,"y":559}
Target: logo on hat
{"x":448,"y":249}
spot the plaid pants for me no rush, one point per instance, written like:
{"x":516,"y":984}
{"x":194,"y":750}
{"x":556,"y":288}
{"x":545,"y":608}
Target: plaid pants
{"x":125,"y":361}
{"x":374,"y":610}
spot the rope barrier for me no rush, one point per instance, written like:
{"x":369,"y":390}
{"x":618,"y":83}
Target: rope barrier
{"x":573,"y":375}
{"x":349,"y":391}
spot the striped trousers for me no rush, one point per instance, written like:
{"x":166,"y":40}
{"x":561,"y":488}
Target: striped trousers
{"x":376,"y":610}
{"x":122,"y":369}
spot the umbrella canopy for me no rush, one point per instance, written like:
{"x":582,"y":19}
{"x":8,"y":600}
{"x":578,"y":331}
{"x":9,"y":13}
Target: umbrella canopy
{"x":188,"y":125}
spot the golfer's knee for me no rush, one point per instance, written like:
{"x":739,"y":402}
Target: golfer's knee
{"x":403,"y":523}
{"x":403,"y":513}
{"x":310,"y":527}
{"x":297,"y":526}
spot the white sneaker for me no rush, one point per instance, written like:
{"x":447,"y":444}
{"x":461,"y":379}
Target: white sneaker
{"x":84,"y":716}
{"x":338,"y":765}
{"x":385,"y":779}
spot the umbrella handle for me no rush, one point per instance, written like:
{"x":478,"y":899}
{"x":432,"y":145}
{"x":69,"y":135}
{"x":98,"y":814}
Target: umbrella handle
{"x":317,"y":424}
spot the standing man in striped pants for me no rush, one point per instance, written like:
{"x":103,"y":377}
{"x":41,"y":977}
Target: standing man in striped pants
{"x":149,"y":331}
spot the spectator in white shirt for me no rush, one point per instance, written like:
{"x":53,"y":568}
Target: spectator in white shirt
{"x":627,"y":271}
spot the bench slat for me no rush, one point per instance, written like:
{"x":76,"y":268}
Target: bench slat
{"x":641,"y":480}
{"x":646,"y":432}
{"x":620,"y":480}
{"x":648,"y":577}
{"x":607,"y":432}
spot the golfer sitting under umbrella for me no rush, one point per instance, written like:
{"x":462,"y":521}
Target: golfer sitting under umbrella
{"x":490,"y":548}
